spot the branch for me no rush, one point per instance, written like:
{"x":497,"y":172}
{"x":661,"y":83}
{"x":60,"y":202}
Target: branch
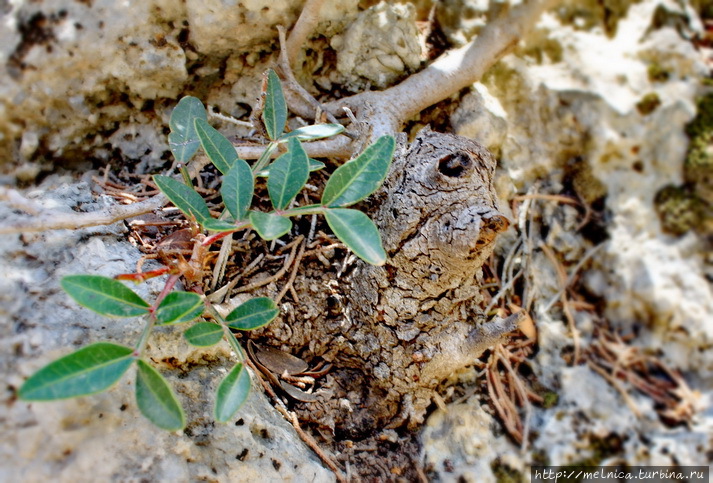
{"x":384,"y":112}
{"x":337,"y":147}
{"x":299,"y":100}
{"x":58,"y":220}
{"x":452,"y":71}
{"x":44,"y":220}
{"x":306,"y":24}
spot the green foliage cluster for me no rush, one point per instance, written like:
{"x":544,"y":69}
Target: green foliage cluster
{"x":690,"y":206}
{"x":98,"y":366}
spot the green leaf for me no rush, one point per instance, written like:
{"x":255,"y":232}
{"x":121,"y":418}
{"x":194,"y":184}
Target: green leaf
{"x":265,"y":157}
{"x":274,"y":113}
{"x":316,"y":131}
{"x":212,"y":224}
{"x":314,"y":165}
{"x":232,"y":393}
{"x":89,"y":370}
{"x":357,"y":179}
{"x":183,"y":139}
{"x":220,"y":151}
{"x":179,"y":307}
{"x":357,"y":232}
{"x":237,"y":189}
{"x":269,"y":225}
{"x":104,"y":295}
{"x":184,"y":197}
{"x":156,"y":399}
{"x":204,"y":334}
{"x":288,"y":175}
{"x":253,"y":314}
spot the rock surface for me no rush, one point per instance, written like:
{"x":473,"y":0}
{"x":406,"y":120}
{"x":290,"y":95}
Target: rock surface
{"x":379,"y":47}
{"x":568,"y":112}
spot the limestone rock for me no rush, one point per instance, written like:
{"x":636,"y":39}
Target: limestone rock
{"x":98,"y":79}
{"x":570,"y":99}
{"x":76,"y":68}
{"x":219,"y":27}
{"x":460,"y":445}
{"x":380,"y":46}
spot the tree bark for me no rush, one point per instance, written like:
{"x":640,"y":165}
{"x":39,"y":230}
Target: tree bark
{"x":411,"y":323}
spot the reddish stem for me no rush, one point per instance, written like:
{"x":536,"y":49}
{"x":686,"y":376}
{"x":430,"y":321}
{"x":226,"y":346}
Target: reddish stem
{"x":170,"y":283}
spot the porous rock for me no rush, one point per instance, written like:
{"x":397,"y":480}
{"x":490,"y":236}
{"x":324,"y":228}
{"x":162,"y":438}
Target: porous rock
{"x":577,"y":116}
{"x":380,"y":46}
{"x":99,"y":79}
{"x":75,"y":68}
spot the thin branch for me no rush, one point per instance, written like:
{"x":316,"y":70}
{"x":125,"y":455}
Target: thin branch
{"x":310,"y":441}
{"x":300,"y":101}
{"x":290,"y":258}
{"x":61,"y":220}
{"x":562,"y":275}
{"x":56,"y":220}
{"x":305,"y":25}
{"x":337,"y":147}
{"x":453,"y":70}
{"x":293,"y":275}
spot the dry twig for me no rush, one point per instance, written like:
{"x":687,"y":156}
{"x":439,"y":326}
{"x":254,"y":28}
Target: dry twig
{"x":562,"y":276}
{"x":293,"y":275}
{"x":507,"y":390}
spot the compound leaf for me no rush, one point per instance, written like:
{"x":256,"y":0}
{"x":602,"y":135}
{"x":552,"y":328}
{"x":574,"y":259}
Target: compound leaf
{"x":183,"y":139}
{"x":274,"y":113}
{"x":104,"y":295}
{"x":184,"y":197}
{"x":89,"y":370}
{"x":357,"y":179}
{"x":156,"y":399}
{"x":204,"y":334}
{"x":288,"y":175}
{"x":232,"y":393}
{"x":220,"y":151}
{"x":269,"y":225}
{"x":357,"y":232}
{"x":237,"y":189}
{"x":253,"y":314}
{"x":179,"y":307}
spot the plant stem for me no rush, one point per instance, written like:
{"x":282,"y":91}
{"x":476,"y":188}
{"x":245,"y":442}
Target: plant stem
{"x":143,"y":340}
{"x":229,"y":335}
{"x":217,"y":236}
{"x":186,"y":176}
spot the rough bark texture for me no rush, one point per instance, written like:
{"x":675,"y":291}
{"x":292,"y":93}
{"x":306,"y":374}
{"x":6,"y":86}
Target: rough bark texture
{"x":408,"y":325}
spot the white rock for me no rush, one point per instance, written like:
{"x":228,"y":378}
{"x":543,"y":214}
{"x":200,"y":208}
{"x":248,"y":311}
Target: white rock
{"x":379,"y":46}
{"x":480,"y":116}
{"x":569,"y":96}
{"x":459,"y":444}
